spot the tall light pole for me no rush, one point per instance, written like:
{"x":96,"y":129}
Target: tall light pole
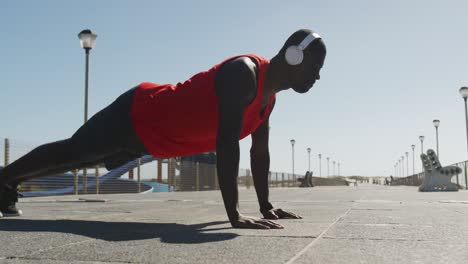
{"x":334,"y":169}
{"x":421,"y":138}
{"x":308,"y":152}
{"x":464,"y":93}
{"x":328,"y":166}
{"x":412,"y":147}
{"x":403,"y":165}
{"x":402,"y":169}
{"x":87,"y":42}
{"x":338,"y":169}
{"x":396,"y":169}
{"x":320,"y":164}
{"x":292,"y":145}
{"x":399,"y":167}
{"x":407,"y":166}
{"x":436,"y":123}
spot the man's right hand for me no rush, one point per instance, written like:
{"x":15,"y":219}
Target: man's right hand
{"x":254,"y":223}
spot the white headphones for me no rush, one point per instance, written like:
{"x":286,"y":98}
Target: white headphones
{"x":294,"y":54}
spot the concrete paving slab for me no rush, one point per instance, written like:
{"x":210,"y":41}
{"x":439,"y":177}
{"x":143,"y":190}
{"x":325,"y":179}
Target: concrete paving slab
{"x":184,"y":248}
{"x":351,"y":251}
{"x":399,"y":232}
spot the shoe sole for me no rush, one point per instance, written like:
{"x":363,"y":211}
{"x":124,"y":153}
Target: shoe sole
{"x":20,"y":213}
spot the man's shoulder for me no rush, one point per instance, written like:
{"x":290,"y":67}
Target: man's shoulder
{"x":237,"y":78}
{"x":238,"y":66}
{"x":256,"y":59}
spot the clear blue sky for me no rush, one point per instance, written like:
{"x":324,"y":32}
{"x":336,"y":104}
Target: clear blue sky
{"x":392,"y":67}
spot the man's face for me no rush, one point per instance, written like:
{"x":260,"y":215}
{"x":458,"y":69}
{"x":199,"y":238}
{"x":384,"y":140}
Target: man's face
{"x":305,"y":74}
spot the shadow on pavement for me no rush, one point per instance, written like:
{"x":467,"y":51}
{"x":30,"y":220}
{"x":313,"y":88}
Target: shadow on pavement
{"x":122,"y":231}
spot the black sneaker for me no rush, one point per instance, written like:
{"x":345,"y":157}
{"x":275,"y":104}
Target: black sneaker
{"x":8,"y":199}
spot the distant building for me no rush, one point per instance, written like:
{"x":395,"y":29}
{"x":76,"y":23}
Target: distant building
{"x":198,"y":172}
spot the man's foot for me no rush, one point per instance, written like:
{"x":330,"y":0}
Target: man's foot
{"x":8,"y":199}
{"x":254,"y":223}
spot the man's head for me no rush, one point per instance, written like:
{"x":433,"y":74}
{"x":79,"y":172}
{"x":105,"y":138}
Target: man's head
{"x":302,"y":76}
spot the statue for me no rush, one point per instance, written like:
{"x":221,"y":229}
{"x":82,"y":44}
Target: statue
{"x":436,"y":177}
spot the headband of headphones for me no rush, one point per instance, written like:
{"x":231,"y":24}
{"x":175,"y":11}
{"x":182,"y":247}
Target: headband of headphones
{"x":307,"y":40}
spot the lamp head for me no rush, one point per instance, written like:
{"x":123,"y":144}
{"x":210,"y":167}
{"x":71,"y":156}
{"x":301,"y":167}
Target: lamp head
{"x":87,"y":39}
{"x":464,"y":92}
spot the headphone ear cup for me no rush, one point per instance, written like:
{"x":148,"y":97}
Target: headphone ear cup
{"x":294,"y":55}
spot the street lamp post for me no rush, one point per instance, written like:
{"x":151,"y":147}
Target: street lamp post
{"x":334,"y":169}
{"x":421,"y":138}
{"x":403,"y":165}
{"x":407,"y":166}
{"x":320,"y":164}
{"x":87,"y":42}
{"x":328,"y":166}
{"x":308,"y":152}
{"x":464,"y":93}
{"x":292,"y":145}
{"x":412,"y":147}
{"x":436,"y":123}
{"x":338,"y":169}
{"x":399,"y":168}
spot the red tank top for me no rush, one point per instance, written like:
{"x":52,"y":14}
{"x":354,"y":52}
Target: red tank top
{"x":182,"y":120}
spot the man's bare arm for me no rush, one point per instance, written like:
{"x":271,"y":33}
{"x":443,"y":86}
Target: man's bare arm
{"x":235,"y":85}
{"x":260,"y":165}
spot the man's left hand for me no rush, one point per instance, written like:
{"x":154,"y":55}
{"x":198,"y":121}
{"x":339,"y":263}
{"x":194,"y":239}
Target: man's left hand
{"x":280,"y":214}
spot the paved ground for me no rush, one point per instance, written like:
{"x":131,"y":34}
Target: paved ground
{"x":365,"y":224}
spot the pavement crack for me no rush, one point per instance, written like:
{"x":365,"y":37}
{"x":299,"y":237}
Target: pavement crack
{"x":311,"y":244}
{"x":318,"y":238}
{"x":377,"y":239}
{"x":75,"y":261}
{"x":370,"y":209}
{"x":281,"y":236}
{"x":62,"y":246}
